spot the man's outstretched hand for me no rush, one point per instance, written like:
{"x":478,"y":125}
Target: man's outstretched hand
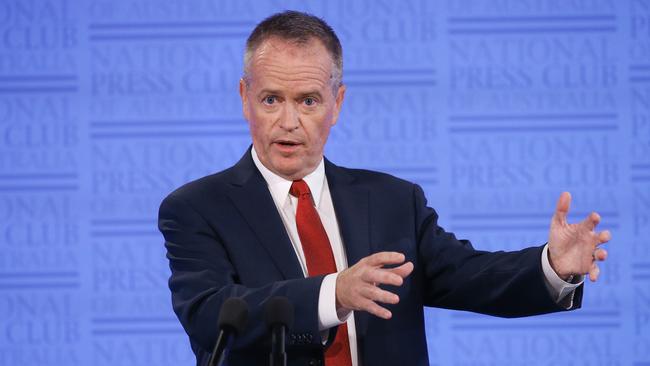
{"x":357,"y":288}
{"x":573,"y":248}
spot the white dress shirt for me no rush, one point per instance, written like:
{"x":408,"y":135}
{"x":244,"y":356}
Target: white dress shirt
{"x":327,"y":315}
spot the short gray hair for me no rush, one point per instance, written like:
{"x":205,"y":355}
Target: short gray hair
{"x":300,"y":28}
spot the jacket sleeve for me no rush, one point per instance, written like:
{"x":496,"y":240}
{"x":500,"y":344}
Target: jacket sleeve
{"x":456,"y":276}
{"x":203,"y":277}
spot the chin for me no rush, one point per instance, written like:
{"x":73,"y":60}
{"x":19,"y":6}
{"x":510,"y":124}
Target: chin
{"x":287,"y":171}
{"x":292,"y":174}
{"x":292,"y":167}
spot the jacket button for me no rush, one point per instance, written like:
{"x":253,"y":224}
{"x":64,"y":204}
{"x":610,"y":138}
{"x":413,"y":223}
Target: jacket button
{"x":314,"y":363}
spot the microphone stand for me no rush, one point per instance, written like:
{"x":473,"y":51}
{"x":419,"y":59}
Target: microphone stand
{"x":278,"y":356}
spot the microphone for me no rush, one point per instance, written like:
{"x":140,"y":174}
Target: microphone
{"x":232,"y":320}
{"x":278,"y":313}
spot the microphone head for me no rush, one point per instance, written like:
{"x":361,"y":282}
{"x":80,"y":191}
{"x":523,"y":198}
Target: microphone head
{"x":279,"y":311}
{"x":233,"y":314}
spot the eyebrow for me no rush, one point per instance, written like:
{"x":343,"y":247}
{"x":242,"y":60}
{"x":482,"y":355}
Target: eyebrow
{"x":268,"y":91}
{"x":311,"y":92}
{"x":301,"y":95}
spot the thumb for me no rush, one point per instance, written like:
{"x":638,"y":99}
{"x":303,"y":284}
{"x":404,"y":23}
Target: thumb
{"x":562,"y":208}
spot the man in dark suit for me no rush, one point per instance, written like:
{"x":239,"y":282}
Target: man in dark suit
{"x":358,"y":253}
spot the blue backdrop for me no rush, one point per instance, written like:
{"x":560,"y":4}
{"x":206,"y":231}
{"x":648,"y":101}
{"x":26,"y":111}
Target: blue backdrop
{"x":493,"y":106}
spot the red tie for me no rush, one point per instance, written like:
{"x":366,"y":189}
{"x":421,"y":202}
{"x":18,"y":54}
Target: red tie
{"x":320,"y":260}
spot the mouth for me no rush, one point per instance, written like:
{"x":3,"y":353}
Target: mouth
{"x":287,"y":147}
{"x":287,"y":143}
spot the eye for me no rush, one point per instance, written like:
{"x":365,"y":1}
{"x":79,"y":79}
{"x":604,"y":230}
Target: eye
{"x":269,"y":100}
{"x":309,"y":101}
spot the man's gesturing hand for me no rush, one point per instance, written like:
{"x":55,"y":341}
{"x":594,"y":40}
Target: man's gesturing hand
{"x":357,"y":288}
{"x":573,"y":248}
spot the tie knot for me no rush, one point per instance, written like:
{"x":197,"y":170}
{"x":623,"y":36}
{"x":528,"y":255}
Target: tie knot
{"x":299,"y":188}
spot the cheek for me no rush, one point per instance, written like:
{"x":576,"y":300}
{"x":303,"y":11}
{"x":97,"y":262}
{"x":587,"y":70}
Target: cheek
{"x":257,"y":132}
{"x":322,"y":134}
{"x":259,"y":124}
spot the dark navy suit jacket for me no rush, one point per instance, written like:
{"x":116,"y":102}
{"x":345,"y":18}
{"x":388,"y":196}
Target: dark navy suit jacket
{"x":224,"y":237}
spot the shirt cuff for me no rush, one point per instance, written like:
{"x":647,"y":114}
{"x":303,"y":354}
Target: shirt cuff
{"x":561,"y":290}
{"x":327,"y":315}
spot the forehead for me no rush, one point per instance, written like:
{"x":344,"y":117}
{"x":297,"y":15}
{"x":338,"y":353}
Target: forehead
{"x":279,"y":63}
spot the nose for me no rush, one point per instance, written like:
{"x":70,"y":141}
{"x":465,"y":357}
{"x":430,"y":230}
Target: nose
{"x":289,"y":119}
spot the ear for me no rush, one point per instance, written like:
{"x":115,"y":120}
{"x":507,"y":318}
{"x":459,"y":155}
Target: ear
{"x":244,"y":97}
{"x":340,"y":95}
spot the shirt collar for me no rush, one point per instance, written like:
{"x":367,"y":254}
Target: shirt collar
{"x":279,"y":187}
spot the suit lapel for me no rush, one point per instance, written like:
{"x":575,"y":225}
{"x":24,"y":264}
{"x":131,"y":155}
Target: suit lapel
{"x":252,"y":198}
{"x":352,"y":205}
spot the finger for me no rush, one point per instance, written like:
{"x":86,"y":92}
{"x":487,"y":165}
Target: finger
{"x":374,"y":309}
{"x":383,"y":276}
{"x":562,"y":208}
{"x":594,"y":272}
{"x":404,"y":270}
{"x":604,"y":236}
{"x":383,"y":258}
{"x":591,"y":220}
{"x":376,"y":294}
{"x":600,"y":254}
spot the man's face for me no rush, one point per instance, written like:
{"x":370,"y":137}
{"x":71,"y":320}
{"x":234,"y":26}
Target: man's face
{"x":290,"y":105}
